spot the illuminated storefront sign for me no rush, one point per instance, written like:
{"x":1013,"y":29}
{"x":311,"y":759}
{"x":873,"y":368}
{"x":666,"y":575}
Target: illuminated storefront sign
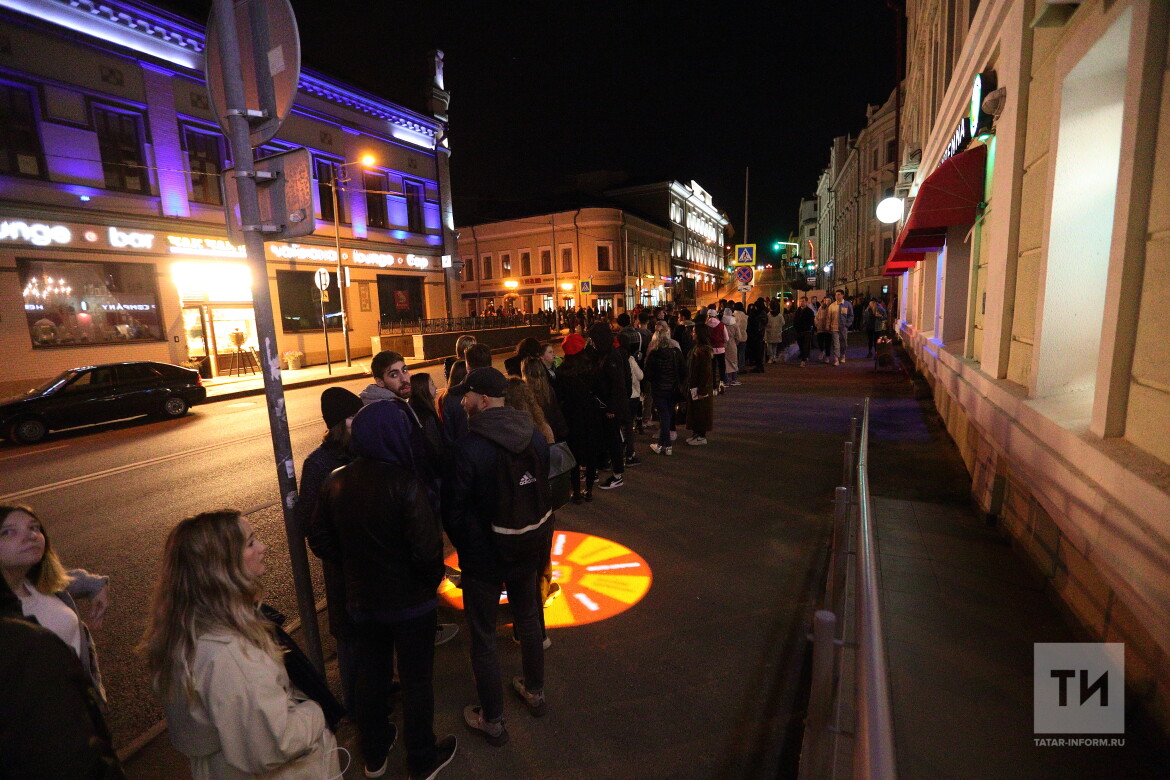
{"x":599,"y":578}
{"x":299,"y":252}
{"x":120,"y":239}
{"x":208,"y":247}
{"x":385,"y":260}
{"x":36,"y":233}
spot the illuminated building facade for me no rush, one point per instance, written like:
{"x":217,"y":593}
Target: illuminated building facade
{"x":580,"y":257}
{"x":112,"y":237}
{"x":697,"y":257}
{"x":1032,"y":266}
{"x":853,"y":244}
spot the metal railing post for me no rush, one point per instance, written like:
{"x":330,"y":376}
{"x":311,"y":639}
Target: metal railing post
{"x":814,"y":762}
{"x":849,"y":463}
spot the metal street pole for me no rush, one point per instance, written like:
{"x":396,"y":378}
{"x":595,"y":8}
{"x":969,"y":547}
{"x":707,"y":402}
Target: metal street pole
{"x":245,"y":177}
{"x":337,"y":245}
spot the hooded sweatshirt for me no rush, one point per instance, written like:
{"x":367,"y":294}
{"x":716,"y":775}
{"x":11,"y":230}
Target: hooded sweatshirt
{"x":389,"y":431}
{"x":376,"y":392}
{"x":718,"y":335}
{"x":470,"y":484}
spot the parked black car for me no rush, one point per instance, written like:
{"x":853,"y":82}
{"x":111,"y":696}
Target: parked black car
{"x":93,"y":394}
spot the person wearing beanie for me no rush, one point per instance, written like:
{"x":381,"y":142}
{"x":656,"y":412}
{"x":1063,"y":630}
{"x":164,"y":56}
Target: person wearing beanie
{"x":375,"y":519}
{"x":338,"y":406}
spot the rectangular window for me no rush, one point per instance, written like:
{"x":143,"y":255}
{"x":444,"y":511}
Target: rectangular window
{"x":414,"y":207}
{"x":546,"y":261}
{"x":376,"y":186}
{"x":526,"y":264}
{"x":469,"y":269}
{"x":78,"y":303}
{"x":300,"y":302}
{"x":487,"y":267}
{"x":603,"y":260}
{"x":567,"y":259}
{"x":505,"y":266}
{"x":325,"y":171}
{"x":891,"y":151}
{"x":205,"y":161}
{"x":120,"y":143}
{"x":20,"y":144}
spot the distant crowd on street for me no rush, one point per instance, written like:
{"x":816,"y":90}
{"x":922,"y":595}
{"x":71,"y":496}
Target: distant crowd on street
{"x":487,"y":458}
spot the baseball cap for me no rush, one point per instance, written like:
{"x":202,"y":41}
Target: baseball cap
{"x":485,"y":381}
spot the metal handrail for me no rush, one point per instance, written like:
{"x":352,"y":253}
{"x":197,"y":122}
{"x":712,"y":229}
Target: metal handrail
{"x":874,"y":757}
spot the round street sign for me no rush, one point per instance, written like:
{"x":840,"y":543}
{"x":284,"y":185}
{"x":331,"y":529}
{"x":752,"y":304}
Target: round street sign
{"x":745,"y":274}
{"x":322,"y":279}
{"x":270,"y":61}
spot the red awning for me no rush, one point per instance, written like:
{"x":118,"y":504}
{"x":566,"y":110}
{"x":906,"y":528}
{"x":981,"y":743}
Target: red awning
{"x":950,"y":196}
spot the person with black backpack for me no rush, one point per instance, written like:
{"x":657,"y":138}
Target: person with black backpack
{"x":497,"y":511}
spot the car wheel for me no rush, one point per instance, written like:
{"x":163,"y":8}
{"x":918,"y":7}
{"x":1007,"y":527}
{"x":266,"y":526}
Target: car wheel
{"x":28,"y":430}
{"x":174,"y":407}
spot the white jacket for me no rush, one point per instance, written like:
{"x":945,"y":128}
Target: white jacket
{"x":247,"y":722}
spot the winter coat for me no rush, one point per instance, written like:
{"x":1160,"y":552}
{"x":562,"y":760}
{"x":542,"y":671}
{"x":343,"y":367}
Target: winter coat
{"x":322,"y":462}
{"x":741,"y":321}
{"x":375,"y":518}
{"x":774,"y":332}
{"x":614,"y":383}
{"x":731,"y":356}
{"x":701,"y":412}
{"x":52,"y":720}
{"x":245,"y":719}
{"x":823,"y":322}
{"x":684,"y":334}
{"x":575,"y":382}
{"x":804,"y":320}
{"x":666,"y":369}
{"x":471,"y":483}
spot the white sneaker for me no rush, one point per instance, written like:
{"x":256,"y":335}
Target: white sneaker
{"x":697,"y":441}
{"x":660,"y":450}
{"x":836,"y":362}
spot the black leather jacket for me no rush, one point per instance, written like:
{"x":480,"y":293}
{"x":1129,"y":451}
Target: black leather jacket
{"x":375,"y":518}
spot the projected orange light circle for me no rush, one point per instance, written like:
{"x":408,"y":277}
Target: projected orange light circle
{"x":599,"y":578}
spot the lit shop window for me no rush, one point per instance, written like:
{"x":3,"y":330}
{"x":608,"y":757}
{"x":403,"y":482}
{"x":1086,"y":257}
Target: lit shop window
{"x":77,"y":303}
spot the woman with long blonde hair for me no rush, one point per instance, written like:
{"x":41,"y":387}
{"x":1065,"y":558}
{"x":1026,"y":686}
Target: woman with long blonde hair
{"x":216,"y":667}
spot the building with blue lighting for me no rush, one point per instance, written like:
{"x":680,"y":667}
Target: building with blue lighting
{"x":113,"y":243}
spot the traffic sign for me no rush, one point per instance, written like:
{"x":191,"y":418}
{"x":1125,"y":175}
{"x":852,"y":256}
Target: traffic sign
{"x":270,"y":62}
{"x":586,"y":286}
{"x":322,"y":279}
{"x":744,"y":275}
{"x":745,"y":254}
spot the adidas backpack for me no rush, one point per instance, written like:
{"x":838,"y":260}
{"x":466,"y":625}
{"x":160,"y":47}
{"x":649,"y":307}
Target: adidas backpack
{"x":522,"y":528}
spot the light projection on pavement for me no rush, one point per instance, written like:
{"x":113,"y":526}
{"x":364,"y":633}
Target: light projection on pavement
{"x":599,"y":578}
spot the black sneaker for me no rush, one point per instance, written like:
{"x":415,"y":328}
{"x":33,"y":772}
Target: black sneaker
{"x":444,"y":752}
{"x":378,"y":771}
{"x":633,"y":460}
{"x":609,"y":483}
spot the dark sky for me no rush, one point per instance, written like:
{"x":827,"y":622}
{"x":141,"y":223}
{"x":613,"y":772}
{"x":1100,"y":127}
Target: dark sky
{"x":656,"y":90}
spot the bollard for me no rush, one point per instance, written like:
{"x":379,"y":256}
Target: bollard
{"x":815,"y":758}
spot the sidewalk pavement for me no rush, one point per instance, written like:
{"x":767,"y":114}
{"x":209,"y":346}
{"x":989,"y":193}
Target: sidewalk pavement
{"x":704,"y":677}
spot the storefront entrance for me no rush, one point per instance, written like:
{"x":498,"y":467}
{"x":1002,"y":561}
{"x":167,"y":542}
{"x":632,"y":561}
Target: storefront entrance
{"x":400,"y":298}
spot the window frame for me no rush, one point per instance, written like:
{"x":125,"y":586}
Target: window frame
{"x":546,"y":253}
{"x":7,"y":132}
{"x":187,"y":130}
{"x":306,"y":281}
{"x":114,"y":171}
{"x":376,"y":199}
{"x":486,"y":267}
{"x":325,"y":188}
{"x":525,"y":262}
{"x":415,"y":193}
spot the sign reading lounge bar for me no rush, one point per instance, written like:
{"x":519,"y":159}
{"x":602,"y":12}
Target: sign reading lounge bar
{"x":110,"y":237}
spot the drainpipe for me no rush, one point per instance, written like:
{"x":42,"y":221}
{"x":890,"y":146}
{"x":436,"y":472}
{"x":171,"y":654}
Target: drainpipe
{"x":625,"y":261}
{"x":556,"y":284}
{"x":577,"y":241}
{"x":478,"y":276}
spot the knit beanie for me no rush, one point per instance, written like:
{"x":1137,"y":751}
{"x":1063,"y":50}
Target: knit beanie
{"x":338,"y":404}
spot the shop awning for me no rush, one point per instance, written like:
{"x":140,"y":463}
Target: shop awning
{"x":950,"y":196}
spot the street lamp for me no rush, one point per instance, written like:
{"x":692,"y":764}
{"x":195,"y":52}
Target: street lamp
{"x":890,"y":210}
{"x":366,"y":161}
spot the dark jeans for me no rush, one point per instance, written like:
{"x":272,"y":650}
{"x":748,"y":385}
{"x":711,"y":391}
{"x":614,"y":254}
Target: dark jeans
{"x":590,"y":470}
{"x":665,"y":406}
{"x":615,"y":447}
{"x":375,"y":647}
{"x":481,"y":603}
{"x":825,"y":343}
{"x":805,"y":342}
{"x":872,"y":336}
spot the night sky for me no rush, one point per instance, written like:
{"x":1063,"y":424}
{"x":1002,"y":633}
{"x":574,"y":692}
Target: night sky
{"x":543,"y":91}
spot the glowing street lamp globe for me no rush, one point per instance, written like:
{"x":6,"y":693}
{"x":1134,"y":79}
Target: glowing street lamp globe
{"x":890,"y":210}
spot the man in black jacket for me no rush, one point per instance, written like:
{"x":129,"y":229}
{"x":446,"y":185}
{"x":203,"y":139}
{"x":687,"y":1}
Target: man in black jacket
{"x":375,"y":517}
{"x":471,"y":495}
{"x":614,"y":386}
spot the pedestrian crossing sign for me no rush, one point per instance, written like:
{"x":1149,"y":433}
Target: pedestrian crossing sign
{"x":745,"y":254}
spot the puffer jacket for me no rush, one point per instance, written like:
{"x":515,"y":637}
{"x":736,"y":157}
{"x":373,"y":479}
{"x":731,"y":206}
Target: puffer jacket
{"x":374,"y":517}
{"x":666,"y":369}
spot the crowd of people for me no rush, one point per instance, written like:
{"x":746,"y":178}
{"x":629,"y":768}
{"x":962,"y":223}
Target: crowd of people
{"x":400,"y":464}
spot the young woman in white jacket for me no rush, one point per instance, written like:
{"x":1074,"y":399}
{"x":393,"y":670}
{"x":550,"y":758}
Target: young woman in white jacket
{"x":217,"y":668}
